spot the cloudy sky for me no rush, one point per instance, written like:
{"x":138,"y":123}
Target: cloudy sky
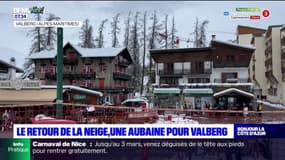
{"x":15,"y":42}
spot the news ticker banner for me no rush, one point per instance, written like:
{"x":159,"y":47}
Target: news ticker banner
{"x":149,"y":131}
{"x":129,"y":149}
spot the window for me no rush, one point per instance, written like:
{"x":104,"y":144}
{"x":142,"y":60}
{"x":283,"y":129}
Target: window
{"x":42,"y":68}
{"x":71,"y":56}
{"x":68,"y":68}
{"x":88,"y":68}
{"x":52,"y":69}
{"x":88,"y":83}
{"x":230,"y":77}
{"x":178,"y":67}
{"x":117,"y":83}
{"x":187,"y":67}
{"x":103,"y":67}
{"x":117,"y":68}
{"x":207,"y":66}
{"x":160,"y":66}
{"x":101,"y":83}
{"x":230,"y":59}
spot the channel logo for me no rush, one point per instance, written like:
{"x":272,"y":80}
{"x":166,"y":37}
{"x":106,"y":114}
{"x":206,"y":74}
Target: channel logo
{"x":20,"y":13}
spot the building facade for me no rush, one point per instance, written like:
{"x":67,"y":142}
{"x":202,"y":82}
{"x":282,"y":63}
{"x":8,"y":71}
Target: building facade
{"x":203,"y":78}
{"x":255,"y":36}
{"x":267,"y":62}
{"x":101,"y":69}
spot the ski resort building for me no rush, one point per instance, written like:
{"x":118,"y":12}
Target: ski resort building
{"x":267,"y":63}
{"x":203,"y":78}
{"x":100,"y":69}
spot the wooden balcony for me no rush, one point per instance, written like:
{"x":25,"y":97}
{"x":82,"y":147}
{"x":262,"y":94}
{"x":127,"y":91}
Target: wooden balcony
{"x":231,"y":80}
{"x":120,"y":75}
{"x":180,"y":73}
{"x":114,"y":89}
{"x":71,"y":75}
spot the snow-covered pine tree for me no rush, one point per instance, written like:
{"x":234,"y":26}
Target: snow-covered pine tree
{"x":115,"y":30}
{"x":86,"y":35}
{"x":100,"y":39}
{"x":50,"y":33}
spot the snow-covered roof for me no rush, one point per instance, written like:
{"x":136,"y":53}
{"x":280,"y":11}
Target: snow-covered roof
{"x":221,"y":93}
{"x":235,"y":44}
{"x":76,"y":88}
{"x":277,"y":106}
{"x":98,"y":52}
{"x":11,"y":66}
{"x":43,"y":55}
{"x":166,"y":90}
{"x":198,"y":91}
{"x":84,"y":52}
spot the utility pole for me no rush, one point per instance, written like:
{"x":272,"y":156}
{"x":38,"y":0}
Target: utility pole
{"x":59,"y":62}
{"x":144,"y":50}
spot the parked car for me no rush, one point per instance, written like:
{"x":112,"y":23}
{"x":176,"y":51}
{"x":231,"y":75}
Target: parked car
{"x":140,"y":104}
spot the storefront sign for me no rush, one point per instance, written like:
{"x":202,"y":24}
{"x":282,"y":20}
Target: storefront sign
{"x":79,"y":96}
{"x":20,"y":84}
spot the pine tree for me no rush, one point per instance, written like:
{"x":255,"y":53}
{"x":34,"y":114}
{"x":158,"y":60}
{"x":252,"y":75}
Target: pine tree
{"x":200,"y":33}
{"x":135,"y":52}
{"x":38,"y":45}
{"x":86,"y":35}
{"x":127,"y":31}
{"x":50,"y":33}
{"x":164,"y":36}
{"x":196,"y":34}
{"x":155,"y":28}
{"x":173,"y":37}
{"x":38,"y":38}
{"x":100,"y":39}
{"x":115,"y":30}
{"x":202,"y":29}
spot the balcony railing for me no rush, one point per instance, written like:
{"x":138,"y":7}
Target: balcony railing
{"x":231,"y":80}
{"x":184,"y":72}
{"x":71,"y":75}
{"x":120,"y":75}
{"x":114,"y":89}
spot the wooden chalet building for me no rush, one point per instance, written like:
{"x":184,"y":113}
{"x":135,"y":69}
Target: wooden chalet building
{"x":203,"y":78}
{"x":100,"y":69}
{"x":8,"y":70}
